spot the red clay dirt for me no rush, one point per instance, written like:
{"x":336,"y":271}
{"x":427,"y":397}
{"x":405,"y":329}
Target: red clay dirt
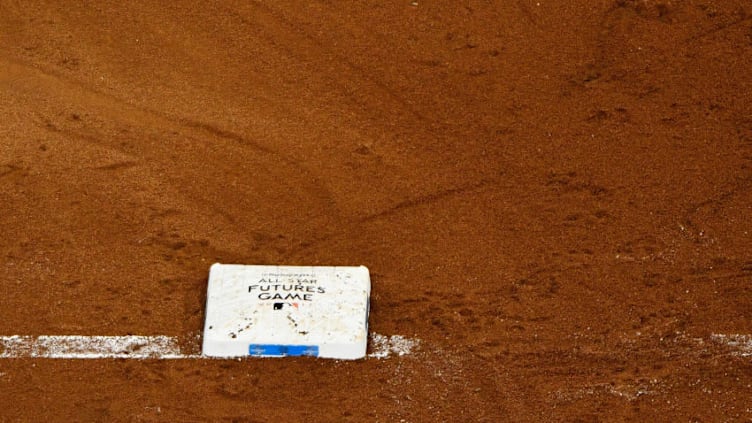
{"x":554,"y":197}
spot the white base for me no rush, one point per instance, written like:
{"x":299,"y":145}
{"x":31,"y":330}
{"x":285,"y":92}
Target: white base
{"x":276,"y":311}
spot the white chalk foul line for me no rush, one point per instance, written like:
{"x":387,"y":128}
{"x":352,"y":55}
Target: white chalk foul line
{"x":143,"y":347}
{"x":383,"y":346}
{"x":76,"y":346}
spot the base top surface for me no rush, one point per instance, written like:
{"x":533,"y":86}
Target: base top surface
{"x":287,"y":311}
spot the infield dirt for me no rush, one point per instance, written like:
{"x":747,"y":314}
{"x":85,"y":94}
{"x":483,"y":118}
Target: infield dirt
{"x":553,"y":197}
